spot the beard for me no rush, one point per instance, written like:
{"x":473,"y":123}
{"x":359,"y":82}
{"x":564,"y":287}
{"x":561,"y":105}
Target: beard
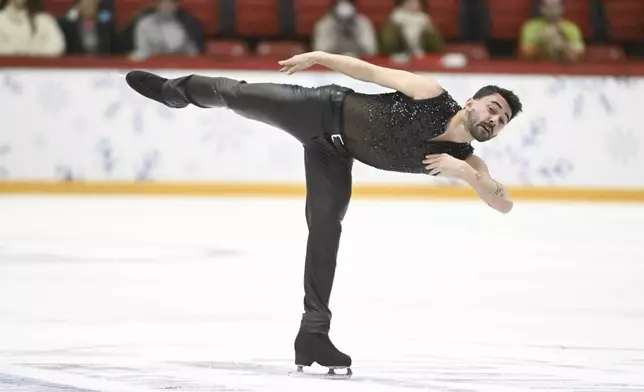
{"x":476,"y":129}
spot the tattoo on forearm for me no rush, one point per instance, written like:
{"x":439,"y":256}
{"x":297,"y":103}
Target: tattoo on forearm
{"x":478,"y":176}
{"x":500,"y":191}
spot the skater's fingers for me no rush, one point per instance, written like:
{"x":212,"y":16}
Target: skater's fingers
{"x":291,"y":61}
{"x":430,"y":160}
{"x":435,"y":171}
{"x":287,"y":61}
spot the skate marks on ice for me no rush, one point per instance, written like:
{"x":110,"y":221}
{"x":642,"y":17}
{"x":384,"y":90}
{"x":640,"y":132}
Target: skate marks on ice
{"x":14,"y":383}
{"x":100,"y":377}
{"x":204,"y":376}
{"x":579,"y":369}
{"x":465,"y":374}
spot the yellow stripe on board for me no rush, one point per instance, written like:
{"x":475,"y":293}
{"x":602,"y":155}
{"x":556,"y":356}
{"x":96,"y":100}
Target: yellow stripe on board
{"x":298,"y":190}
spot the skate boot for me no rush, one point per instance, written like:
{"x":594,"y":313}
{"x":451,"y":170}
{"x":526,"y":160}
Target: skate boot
{"x":162,"y":90}
{"x":202,"y":91}
{"x":315,"y":347}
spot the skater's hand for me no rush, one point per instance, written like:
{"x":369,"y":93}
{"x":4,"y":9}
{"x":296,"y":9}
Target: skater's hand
{"x":445,"y":165}
{"x":297,"y":63}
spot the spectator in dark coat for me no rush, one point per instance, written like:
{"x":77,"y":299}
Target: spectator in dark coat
{"x":89,"y":30}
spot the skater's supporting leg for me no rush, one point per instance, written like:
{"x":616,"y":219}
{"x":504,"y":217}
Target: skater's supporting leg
{"x":328,"y":186}
{"x":303,"y":112}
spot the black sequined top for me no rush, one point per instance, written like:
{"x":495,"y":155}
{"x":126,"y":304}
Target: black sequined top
{"x":391,"y":131}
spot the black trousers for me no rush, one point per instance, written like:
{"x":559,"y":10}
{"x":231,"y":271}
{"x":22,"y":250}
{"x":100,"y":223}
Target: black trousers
{"x":310,"y":115}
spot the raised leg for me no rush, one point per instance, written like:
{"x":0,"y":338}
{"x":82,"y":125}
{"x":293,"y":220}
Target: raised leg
{"x":303,"y":112}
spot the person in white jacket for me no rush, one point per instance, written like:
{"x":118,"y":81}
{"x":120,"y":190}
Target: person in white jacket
{"x":25,"y":30}
{"x":343,"y":30}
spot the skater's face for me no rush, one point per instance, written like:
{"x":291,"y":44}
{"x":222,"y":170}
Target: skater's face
{"x":487,"y":116}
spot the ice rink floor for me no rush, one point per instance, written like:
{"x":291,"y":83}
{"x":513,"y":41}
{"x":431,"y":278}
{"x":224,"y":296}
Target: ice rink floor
{"x":198,"y":294}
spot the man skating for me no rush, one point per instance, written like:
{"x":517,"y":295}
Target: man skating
{"x":418,"y":128}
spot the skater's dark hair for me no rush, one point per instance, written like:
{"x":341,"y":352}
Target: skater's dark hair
{"x":510,"y":97}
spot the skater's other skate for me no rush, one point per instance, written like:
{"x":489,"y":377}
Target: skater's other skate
{"x":156,"y":88}
{"x":317,"y":348}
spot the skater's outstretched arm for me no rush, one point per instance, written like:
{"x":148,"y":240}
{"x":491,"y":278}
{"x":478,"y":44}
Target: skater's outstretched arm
{"x":489,"y":190}
{"x":408,"y":83}
{"x":476,"y":174}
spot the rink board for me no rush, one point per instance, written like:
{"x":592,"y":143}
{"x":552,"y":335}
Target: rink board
{"x":577,"y":139}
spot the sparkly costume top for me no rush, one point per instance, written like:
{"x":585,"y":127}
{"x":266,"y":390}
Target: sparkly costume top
{"x":392,"y":132}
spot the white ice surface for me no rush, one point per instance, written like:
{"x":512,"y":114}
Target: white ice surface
{"x":197,"y":294}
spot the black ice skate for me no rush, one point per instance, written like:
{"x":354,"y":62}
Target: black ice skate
{"x":318,"y":348}
{"x":157,"y":88}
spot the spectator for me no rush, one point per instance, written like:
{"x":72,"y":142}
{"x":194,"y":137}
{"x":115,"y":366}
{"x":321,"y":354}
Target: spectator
{"x":343,"y":30}
{"x":88,"y":29}
{"x":167,"y":30}
{"x":551,"y":36}
{"x":25,"y":30}
{"x":410,"y":31}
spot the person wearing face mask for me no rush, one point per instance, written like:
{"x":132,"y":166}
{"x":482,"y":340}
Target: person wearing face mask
{"x":25,"y":30}
{"x":410,"y":31}
{"x":89,"y":29}
{"x":345,"y":31}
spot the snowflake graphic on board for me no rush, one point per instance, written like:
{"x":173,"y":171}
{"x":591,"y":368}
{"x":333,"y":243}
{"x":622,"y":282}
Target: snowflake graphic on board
{"x":5,"y":149}
{"x":149,"y":161}
{"x":53,"y":96}
{"x":222,"y":140}
{"x":11,"y":84}
{"x":105,"y":151}
{"x":587,"y":89}
{"x":622,"y":145}
{"x":127,"y":102}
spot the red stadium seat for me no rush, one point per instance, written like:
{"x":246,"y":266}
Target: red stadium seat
{"x":257,"y":18}
{"x":307,"y":13}
{"x":578,"y":12}
{"x":226,"y":48}
{"x":625,"y":19}
{"x":473,"y":51}
{"x":604,"y":53}
{"x":58,"y":8}
{"x":376,"y":10}
{"x":207,"y":11}
{"x":126,"y":10}
{"x":445,"y":14}
{"x":507,"y":17}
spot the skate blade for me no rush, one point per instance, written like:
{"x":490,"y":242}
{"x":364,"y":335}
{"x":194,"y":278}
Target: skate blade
{"x":331,"y":375}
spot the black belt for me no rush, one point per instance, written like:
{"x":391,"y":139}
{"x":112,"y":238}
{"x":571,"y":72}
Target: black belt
{"x":337,"y":99}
